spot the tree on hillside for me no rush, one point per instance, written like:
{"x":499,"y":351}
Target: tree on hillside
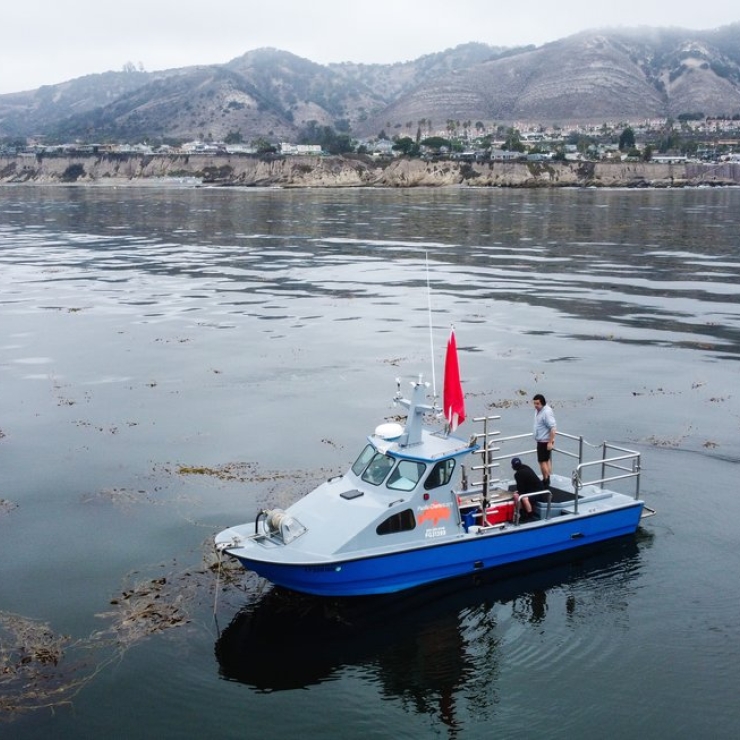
{"x":263,"y":146}
{"x":669,"y":142}
{"x":329,"y":140}
{"x":406,"y":145}
{"x":627,"y":139}
{"x":513,"y":141}
{"x":437,"y":143}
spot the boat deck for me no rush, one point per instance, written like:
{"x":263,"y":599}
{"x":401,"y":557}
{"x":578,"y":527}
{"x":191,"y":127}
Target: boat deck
{"x":558,"y":500}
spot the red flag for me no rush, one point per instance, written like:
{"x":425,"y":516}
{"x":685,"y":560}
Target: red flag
{"x":453,"y":399}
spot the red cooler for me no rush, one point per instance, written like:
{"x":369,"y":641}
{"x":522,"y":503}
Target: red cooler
{"x":500,"y":512}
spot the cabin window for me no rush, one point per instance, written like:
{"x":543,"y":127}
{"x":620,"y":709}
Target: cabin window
{"x":378,"y":468}
{"x":361,"y":463}
{"x":403,"y":521}
{"x":441,"y":474}
{"x":406,"y":475}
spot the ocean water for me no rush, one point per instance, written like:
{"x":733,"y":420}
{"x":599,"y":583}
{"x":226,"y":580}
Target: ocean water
{"x":174,"y":359}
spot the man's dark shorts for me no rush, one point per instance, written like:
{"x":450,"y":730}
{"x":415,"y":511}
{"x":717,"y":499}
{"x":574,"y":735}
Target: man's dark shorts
{"x":543,"y":454}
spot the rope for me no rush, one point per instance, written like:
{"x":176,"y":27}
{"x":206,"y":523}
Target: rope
{"x":218,"y":587}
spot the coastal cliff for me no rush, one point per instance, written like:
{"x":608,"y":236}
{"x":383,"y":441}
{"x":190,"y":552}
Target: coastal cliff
{"x":336,"y":171}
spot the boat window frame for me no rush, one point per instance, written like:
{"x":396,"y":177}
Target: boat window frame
{"x":437,"y":480}
{"x":363,"y":460}
{"x":400,"y":521}
{"x":411,"y":483}
{"x":374,"y":468}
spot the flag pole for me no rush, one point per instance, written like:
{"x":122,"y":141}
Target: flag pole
{"x":431,"y":333}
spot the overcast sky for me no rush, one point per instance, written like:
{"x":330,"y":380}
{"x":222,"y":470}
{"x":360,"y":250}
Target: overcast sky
{"x":51,"y":41}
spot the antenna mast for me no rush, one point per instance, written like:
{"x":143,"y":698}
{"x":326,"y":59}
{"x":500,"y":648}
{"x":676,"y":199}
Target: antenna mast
{"x":431,"y":333}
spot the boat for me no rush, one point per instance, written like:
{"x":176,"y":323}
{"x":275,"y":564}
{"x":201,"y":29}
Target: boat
{"x":422,"y":504}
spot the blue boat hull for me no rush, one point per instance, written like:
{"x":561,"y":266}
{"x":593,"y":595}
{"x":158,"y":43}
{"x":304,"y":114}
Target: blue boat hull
{"x":397,"y":571}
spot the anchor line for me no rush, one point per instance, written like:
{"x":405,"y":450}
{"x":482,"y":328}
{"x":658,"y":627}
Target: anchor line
{"x":218,"y":587}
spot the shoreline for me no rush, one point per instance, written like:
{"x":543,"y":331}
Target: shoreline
{"x":196,"y":170}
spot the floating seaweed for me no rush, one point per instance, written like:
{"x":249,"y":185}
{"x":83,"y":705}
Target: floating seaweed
{"x":33,"y":673}
{"x":43,"y":670}
{"x":123,"y":497}
{"x":242,"y":472}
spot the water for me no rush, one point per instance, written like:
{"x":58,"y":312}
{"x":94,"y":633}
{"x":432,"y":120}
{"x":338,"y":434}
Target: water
{"x":171,"y":360}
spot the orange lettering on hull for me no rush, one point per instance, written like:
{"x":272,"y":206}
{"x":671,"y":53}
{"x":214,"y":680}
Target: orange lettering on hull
{"x":434,"y":513}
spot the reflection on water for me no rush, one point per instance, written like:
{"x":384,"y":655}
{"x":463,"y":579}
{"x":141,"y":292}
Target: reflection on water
{"x":439,"y":646}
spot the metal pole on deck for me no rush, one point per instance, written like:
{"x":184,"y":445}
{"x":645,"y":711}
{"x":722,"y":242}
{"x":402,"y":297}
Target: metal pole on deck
{"x":636,"y":470}
{"x":603,"y":465}
{"x":486,"y":462}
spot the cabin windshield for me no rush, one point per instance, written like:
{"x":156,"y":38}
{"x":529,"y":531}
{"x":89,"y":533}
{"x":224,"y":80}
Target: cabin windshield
{"x":378,"y":469}
{"x":373,"y":467}
{"x":365,"y":456}
{"x":406,"y":475}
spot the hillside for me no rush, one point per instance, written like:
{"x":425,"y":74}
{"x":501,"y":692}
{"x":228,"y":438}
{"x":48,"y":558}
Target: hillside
{"x":591,"y":77}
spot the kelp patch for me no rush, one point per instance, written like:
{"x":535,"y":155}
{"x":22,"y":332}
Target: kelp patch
{"x":243,"y":472}
{"x":40,"y":669}
{"x":32,"y":670}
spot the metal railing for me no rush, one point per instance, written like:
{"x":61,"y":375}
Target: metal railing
{"x":615,"y":463}
{"x":608,"y":464}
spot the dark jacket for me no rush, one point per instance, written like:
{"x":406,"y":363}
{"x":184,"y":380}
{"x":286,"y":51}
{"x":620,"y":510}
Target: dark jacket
{"x":527,"y":480}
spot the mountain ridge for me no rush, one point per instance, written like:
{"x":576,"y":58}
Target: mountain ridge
{"x":592,"y":77}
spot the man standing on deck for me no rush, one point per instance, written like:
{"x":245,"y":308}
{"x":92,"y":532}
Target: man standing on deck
{"x":544,"y":436}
